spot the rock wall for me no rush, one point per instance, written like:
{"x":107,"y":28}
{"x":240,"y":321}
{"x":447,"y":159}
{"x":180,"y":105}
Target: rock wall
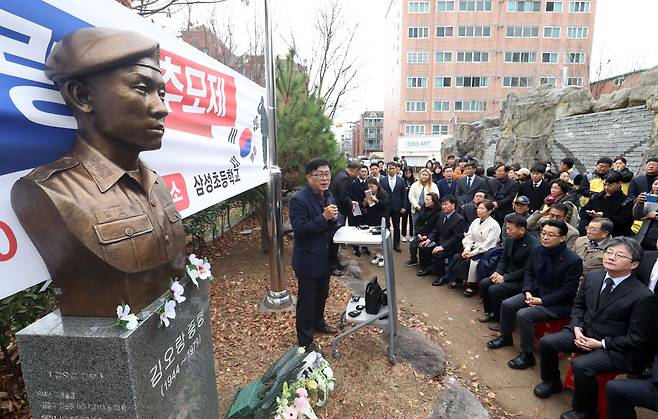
{"x":491,"y":137}
{"x":585,"y":138}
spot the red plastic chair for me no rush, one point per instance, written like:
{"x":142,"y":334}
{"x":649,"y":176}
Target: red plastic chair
{"x":550,"y":326}
{"x":602,"y":379}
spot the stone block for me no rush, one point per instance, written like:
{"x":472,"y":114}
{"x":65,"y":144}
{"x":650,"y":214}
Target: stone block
{"x":456,"y":402}
{"x":87,"y":367}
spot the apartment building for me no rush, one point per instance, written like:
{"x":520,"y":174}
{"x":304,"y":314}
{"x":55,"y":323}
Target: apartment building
{"x":368,"y":133}
{"x":456,"y":61}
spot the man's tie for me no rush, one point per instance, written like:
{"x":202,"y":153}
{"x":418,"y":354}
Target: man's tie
{"x":594,"y":244}
{"x":536,"y":185}
{"x":469,"y":181}
{"x":607,"y":291}
{"x":445,"y":219}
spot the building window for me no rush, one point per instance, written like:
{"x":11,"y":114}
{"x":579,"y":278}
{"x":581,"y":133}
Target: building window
{"x":444,"y":31}
{"x":549,"y":57}
{"x":547,"y":81}
{"x":551,"y":31}
{"x":373,"y":132}
{"x":619,"y":81}
{"x":473,"y":57}
{"x":474,"y":31}
{"x":419,"y":32}
{"x":523,"y":6}
{"x":440,"y":106}
{"x":574,"y":81}
{"x":523,"y":31}
{"x":475,"y":6}
{"x":439,"y":129}
{"x":445,"y":6}
{"x":419,"y":7}
{"x":554,"y":6}
{"x":415,"y":106}
{"x":418,"y":57}
{"x":520,"y":57}
{"x":442,"y":81}
{"x":472,"y":81}
{"x":443,"y":57}
{"x":514,"y":81}
{"x":416,"y":82}
{"x":577,"y":32}
{"x":579,"y":7}
{"x":470,"y":106}
{"x":574,"y":58}
{"x":414,"y":129}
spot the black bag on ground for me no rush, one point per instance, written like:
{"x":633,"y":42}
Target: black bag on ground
{"x":373,"y":296}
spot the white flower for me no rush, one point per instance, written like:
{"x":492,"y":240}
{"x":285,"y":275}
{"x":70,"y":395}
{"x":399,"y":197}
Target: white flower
{"x":127,"y":320}
{"x":122,"y":311}
{"x":177,"y":290}
{"x":328,"y":372}
{"x":131,"y":322}
{"x":169,"y":312}
{"x":201,"y":269}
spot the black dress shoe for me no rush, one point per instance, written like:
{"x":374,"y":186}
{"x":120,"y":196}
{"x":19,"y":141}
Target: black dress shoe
{"x":365,"y":251}
{"x":546,"y":389}
{"x":500,"y":341}
{"x":327,"y":330}
{"x":522,"y":361}
{"x":440,"y":281}
{"x":397,"y":249}
{"x":575,"y":414}
{"x":424,"y":272}
{"x":487,"y":317}
{"x":411,"y":262}
{"x":311,"y":347}
{"x":357,"y":252}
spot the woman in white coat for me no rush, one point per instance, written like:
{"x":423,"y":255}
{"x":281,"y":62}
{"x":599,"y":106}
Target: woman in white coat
{"x":482,"y":235}
{"x":418,"y":191}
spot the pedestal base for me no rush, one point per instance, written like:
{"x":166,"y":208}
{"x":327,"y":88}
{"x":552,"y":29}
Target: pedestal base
{"x":86,"y":367}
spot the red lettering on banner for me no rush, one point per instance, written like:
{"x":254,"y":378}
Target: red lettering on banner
{"x":196,"y":97}
{"x":178,"y":190}
{"x":13,"y":244}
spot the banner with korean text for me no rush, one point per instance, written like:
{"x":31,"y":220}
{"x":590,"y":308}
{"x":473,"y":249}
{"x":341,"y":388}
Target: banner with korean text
{"x":212,"y":148}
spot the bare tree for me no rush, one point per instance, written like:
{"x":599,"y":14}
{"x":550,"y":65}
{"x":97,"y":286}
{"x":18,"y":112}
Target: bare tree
{"x":152,"y":7}
{"x":334,"y":66}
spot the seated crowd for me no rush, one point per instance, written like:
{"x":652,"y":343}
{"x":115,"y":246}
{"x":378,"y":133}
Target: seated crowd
{"x":578,"y":250}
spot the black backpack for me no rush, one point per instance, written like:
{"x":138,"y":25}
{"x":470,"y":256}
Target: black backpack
{"x":373,"y":296}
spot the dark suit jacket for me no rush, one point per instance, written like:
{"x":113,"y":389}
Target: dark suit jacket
{"x":313,"y":234}
{"x":450,"y":234}
{"x":638,"y":185}
{"x":465,"y":194}
{"x":512,"y":264}
{"x":503,"y":192}
{"x":535,"y":195}
{"x":625,"y":321}
{"x":643,"y":272}
{"x":618,"y":208}
{"x":561,"y":287}
{"x":444,"y":189}
{"x":397,"y":198}
{"x":341,"y":187}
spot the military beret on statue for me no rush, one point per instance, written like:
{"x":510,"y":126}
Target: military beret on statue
{"x":93,"y":50}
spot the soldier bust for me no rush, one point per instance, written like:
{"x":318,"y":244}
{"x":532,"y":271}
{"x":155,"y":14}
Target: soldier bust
{"x":102,"y":220}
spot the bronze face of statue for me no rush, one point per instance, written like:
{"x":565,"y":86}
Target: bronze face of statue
{"x":102,"y":220}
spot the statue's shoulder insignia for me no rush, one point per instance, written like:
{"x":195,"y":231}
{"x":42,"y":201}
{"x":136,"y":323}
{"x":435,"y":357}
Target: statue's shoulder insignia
{"x":43,"y":173}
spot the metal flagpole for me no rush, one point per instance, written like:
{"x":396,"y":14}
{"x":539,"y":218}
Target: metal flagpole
{"x":278,"y":297}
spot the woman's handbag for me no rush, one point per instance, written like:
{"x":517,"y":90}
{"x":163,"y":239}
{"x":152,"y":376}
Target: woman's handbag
{"x":373,"y":296}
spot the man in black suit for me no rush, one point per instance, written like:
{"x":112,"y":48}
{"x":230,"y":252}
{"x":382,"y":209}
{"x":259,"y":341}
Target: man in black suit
{"x":397,"y":200}
{"x":359,"y":186}
{"x":536,"y":189}
{"x":503,"y":191}
{"x":447,"y":185}
{"x":612,"y":319}
{"x":443,"y":242}
{"x":643,"y":182}
{"x":647,"y":272}
{"x":313,"y":215}
{"x":341,"y":188}
{"x":468,"y":184}
{"x":550,"y":283}
{"x":507,"y":279}
{"x":469,"y":211}
{"x":611,"y":203}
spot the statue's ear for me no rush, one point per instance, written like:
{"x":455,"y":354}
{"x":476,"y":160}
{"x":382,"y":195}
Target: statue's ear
{"x":77,"y":95}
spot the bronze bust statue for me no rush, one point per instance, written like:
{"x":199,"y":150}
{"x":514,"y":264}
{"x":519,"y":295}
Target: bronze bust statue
{"x":103,"y":221}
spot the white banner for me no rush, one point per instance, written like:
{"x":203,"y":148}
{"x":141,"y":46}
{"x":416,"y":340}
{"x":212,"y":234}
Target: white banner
{"x":212,"y":148}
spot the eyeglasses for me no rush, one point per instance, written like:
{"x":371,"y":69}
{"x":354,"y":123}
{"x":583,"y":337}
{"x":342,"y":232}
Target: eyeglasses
{"x":610,"y":254}
{"x":322,"y":175}
{"x":590,"y":228}
{"x":548,"y":234}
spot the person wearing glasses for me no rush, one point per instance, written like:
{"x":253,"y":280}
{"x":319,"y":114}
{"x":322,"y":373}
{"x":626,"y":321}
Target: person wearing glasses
{"x":612,"y":321}
{"x":549,"y":287}
{"x":313,"y":216}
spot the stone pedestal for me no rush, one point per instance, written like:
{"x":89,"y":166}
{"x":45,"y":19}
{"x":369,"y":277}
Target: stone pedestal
{"x":86,"y":367}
